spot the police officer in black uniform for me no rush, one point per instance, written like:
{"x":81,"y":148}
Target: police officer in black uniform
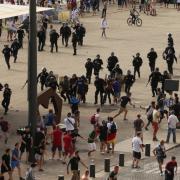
{"x":6,"y":98}
{"x":7,"y":54}
{"x":74,"y":42}
{"x":51,"y":81}
{"x":170,"y":39}
{"x":128,"y":80}
{"x":155,"y":78}
{"x":97,"y":64}
{"x":152,"y":56}
{"x":170,"y":57}
{"x":42,"y":37}
{"x":65,"y":32}
{"x":116,"y":72}
{"x":42,"y":76}
{"x":21,"y":34}
{"x":164,"y":76}
{"x":99,"y":84}
{"x":137,"y":63}
{"x":112,"y":61}
{"x":80,"y":31}
{"x":53,"y":39}
{"x":89,"y":68}
{"x":15,"y":46}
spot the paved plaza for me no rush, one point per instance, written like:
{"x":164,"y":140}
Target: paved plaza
{"x":125,"y":42}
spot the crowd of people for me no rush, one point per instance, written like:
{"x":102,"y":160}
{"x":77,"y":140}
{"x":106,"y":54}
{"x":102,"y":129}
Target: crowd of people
{"x":74,"y":90}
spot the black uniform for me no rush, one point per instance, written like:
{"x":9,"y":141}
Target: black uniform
{"x":97,"y":63}
{"x":0,"y":27}
{"x":170,"y":60}
{"x":154,"y":77}
{"x":89,"y":68}
{"x":43,"y":77}
{"x":137,"y":63}
{"x":80,"y":31}
{"x":99,"y":84}
{"x":65,"y":32}
{"x":42,"y":37}
{"x":152,"y":56}
{"x":116,"y":72}
{"x":74,"y":42}
{"x":112,"y":61}
{"x":163,"y":78}
{"x":53,"y":39}
{"x":15,"y":48}
{"x":170,"y":41}
{"x":21,"y":34}
{"x":7,"y":54}
{"x":6,"y":99}
{"x":129,"y":80}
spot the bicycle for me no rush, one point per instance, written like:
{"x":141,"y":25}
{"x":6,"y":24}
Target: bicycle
{"x":136,"y":21}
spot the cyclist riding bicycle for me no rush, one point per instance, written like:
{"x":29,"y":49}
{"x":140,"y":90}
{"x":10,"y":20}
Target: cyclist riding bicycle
{"x":134,"y":14}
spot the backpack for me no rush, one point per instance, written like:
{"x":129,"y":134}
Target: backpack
{"x":113,"y":128}
{"x":4,"y":126}
{"x":93,"y":119}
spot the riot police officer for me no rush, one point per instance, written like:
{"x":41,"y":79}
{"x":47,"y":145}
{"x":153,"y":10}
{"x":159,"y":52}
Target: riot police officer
{"x":74,"y":42}
{"x":152,"y":56}
{"x":65,"y":32}
{"x":53,"y":39}
{"x":97,"y":64}
{"x":43,"y":77}
{"x":170,"y":40}
{"x":137,"y":63}
{"x":15,"y":48}
{"x":7,"y":54}
{"x":89,"y":68}
{"x":42,"y":37}
{"x":112,"y":61}
{"x":116,"y":72}
{"x":6,"y":98}
{"x":164,"y":76}
{"x":128,"y":80}
{"x":51,"y":81}
{"x":99,"y":84}
{"x":155,"y":78}
{"x":80,"y":31}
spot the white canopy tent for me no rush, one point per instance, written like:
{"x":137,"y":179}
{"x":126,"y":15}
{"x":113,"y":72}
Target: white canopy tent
{"x":8,"y":10}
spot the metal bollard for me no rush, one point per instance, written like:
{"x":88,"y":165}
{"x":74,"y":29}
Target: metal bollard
{"x":148,"y":150}
{"x":92,"y":170}
{"x":107,"y":165}
{"x":121,"y":160}
{"x":60,"y":177}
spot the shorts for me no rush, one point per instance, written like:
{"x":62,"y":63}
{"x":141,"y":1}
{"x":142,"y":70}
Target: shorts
{"x":68,"y":150}
{"x":155,"y":126}
{"x":24,"y":147}
{"x":160,"y":160}
{"x":4,"y":170}
{"x":38,"y":157}
{"x":136,"y":155}
{"x":92,"y":146}
{"x":54,"y":147}
{"x":15,"y":164}
{"x":122,"y":109}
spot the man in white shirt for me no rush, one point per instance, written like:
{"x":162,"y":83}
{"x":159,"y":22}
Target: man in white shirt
{"x":69,"y":122}
{"x":172,"y":121}
{"x":155,"y":123}
{"x":137,"y":146}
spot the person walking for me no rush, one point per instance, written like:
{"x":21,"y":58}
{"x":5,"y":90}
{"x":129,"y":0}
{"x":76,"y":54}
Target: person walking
{"x":129,"y":80}
{"x":112,"y":61}
{"x":97,"y":65}
{"x":160,"y":154}
{"x":7,"y":54}
{"x":171,"y":169}
{"x":137,"y":63}
{"x":138,"y":125}
{"x":42,"y":77}
{"x":89,"y":69}
{"x":15,"y":46}
{"x":137,"y":147}
{"x":155,"y":122}
{"x":74,"y":43}
{"x":42,"y":37}
{"x":74,"y":163}
{"x":104,"y":26}
{"x":152,"y":56}
{"x":53,"y":39}
{"x":172,"y":122}
{"x":21,"y":34}
{"x":6,"y":98}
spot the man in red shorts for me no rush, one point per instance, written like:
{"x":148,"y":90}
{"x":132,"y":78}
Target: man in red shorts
{"x":68,"y":146}
{"x":56,"y":141}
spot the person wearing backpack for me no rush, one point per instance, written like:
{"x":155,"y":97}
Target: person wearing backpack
{"x":4,"y":129}
{"x":111,"y":136}
{"x":160,"y":154}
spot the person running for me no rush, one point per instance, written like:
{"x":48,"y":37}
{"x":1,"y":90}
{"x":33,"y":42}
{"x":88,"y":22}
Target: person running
{"x":7,"y":54}
{"x":155,"y":122}
{"x":124,"y":101}
{"x":6,"y":166}
{"x":160,"y":154}
{"x":15,"y":161}
{"x":74,"y":162}
{"x":137,"y":146}
{"x":171,"y":169}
